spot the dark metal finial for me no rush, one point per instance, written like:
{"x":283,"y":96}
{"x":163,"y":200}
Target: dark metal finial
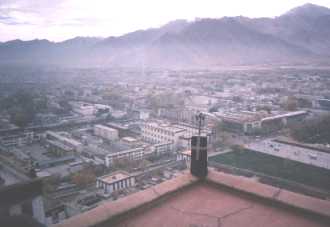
{"x":200,"y":118}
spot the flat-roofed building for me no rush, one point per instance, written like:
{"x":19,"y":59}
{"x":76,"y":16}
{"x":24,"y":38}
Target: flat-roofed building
{"x":58,"y":147}
{"x":19,"y":139}
{"x":184,"y":156}
{"x":129,"y":140}
{"x":118,"y":180}
{"x":131,"y":154}
{"x":190,"y":131}
{"x":308,"y":154}
{"x":62,"y":142}
{"x":82,"y":108}
{"x":106,"y":132}
{"x":155,"y":132}
{"x":241,"y":122}
{"x":162,"y":147}
{"x":258,"y":122}
{"x":279,"y":121}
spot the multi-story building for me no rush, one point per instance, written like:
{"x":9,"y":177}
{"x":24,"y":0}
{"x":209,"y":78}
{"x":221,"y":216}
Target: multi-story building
{"x":106,"y":132}
{"x":162,"y":147}
{"x":63,"y":143}
{"x":280,"y":121}
{"x":118,"y":180}
{"x":259,"y":122}
{"x":184,"y":156}
{"x":131,"y":154}
{"x":19,"y":139}
{"x":155,"y":132}
{"x":191,"y":130}
{"x":178,"y":114}
{"x":242,"y":122}
{"x":83,"y":108}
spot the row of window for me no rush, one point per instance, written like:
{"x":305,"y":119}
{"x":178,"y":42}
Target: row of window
{"x":157,"y":130}
{"x":132,"y":155}
{"x":160,"y":137}
{"x":116,"y":185}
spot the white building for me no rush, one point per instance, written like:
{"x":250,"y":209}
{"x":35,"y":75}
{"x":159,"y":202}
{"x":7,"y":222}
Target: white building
{"x":132,"y":154}
{"x":118,"y":180}
{"x":256,"y":122}
{"x":162,"y":147}
{"x":190,"y":131}
{"x":85,"y":109}
{"x":184,"y":156}
{"x":160,"y":133}
{"x":294,"y":151}
{"x":88,"y":109}
{"x":106,"y":132}
{"x":144,"y":114}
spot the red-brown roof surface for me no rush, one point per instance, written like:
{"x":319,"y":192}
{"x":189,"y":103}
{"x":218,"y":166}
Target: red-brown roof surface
{"x":205,"y":205}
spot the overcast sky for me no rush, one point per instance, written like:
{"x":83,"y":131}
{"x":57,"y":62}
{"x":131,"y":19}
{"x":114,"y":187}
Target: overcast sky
{"x":58,"y":20}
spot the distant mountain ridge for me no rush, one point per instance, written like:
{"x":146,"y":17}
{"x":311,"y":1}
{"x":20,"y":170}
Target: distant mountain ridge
{"x":300,"y":36}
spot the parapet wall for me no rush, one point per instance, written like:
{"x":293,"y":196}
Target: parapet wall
{"x":113,"y":212}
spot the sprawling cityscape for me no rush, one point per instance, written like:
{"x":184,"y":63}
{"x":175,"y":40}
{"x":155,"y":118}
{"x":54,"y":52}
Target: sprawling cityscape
{"x":101,"y":135}
{"x":79,"y":141}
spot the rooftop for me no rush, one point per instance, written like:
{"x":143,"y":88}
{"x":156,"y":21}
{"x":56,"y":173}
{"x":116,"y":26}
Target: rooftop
{"x":116,"y":176}
{"x":138,"y":149}
{"x":219,"y":200}
{"x":247,"y":116}
{"x":105,"y":128}
{"x":167,"y":127}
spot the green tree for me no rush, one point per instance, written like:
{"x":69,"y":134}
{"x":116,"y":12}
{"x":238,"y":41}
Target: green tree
{"x":291,"y":104}
{"x":21,"y":108}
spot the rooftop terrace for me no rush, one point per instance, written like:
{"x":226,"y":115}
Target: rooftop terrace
{"x":116,"y":176}
{"x":219,"y":200}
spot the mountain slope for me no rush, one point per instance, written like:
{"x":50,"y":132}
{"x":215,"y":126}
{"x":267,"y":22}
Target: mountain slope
{"x":300,"y":36}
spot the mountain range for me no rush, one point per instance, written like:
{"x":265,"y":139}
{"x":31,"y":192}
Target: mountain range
{"x":300,"y":36}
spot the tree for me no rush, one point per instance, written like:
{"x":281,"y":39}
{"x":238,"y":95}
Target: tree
{"x":304,"y":103}
{"x":21,"y":117}
{"x":312,"y":131}
{"x":84,"y":177}
{"x":50,"y":183}
{"x":291,"y":104}
{"x":268,"y":109}
{"x":237,"y":147}
{"x":23,"y":106}
{"x":143,"y":163}
{"x":222,"y":137}
{"x":122,"y":163}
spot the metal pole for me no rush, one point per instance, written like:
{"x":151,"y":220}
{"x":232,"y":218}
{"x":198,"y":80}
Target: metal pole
{"x":200,"y":117}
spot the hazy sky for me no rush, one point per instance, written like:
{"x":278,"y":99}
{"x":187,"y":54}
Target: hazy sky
{"x":62,"y":19}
